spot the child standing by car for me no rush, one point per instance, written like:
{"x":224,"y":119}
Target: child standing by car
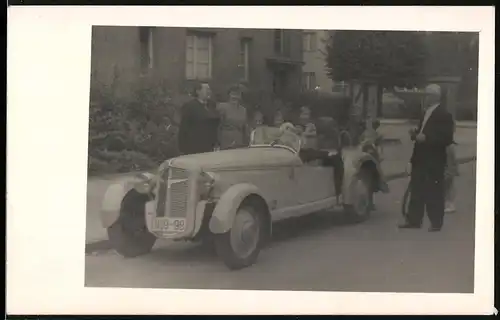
{"x":371,"y":139}
{"x":370,"y":143}
{"x":451,"y":171}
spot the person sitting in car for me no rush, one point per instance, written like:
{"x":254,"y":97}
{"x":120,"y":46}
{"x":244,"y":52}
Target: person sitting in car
{"x":308,"y":128}
{"x":290,"y":136}
{"x":265,"y":132}
{"x":310,"y":155}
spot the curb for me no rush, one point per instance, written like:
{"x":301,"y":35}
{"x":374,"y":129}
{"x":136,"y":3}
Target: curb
{"x":458,"y":124}
{"x":100,"y":245}
{"x":104,"y":245}
{"x":400,"y":175}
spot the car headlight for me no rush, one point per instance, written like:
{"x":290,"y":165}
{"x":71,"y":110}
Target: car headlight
{"x":206,"y":184}
{"x":145,"y":184}
{"x":163,"y":166}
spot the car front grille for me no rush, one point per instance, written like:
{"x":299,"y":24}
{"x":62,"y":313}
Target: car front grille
{"x":162,"y":194}
{"x":178,"y":196}
{"x":173,"y":201}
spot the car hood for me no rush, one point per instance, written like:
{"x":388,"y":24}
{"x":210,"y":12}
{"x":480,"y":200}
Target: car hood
{"x":237,"y":159}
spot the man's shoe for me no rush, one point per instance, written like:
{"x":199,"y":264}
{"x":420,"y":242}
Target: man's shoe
{"x":409,"y":226}
{"x":450,"y":208}
{"x":434,"y":229}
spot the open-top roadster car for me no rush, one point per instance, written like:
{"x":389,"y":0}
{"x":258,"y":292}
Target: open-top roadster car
{"x":231,"y":198}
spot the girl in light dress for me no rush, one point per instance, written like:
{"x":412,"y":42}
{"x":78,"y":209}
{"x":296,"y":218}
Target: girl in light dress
{"x":371,"y":139}
{"x":451,"y":171}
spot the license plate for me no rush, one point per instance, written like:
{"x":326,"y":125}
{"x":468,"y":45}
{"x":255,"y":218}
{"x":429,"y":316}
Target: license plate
{"x":169,"y":224}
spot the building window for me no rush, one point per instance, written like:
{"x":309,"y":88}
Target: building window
{"x":309,"y":81}
{"x":309,"y":41}
{"x":244,"y":63}
{"x":199,"y":57}
{"x":279,"y":41}
{"x":146,"y":42}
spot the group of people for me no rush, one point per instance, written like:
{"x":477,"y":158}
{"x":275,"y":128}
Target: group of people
{"x":207,"y":126}
{"x":228,"y":125}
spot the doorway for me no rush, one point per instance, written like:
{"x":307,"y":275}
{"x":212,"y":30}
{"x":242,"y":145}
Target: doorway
{"x":280,"y":82}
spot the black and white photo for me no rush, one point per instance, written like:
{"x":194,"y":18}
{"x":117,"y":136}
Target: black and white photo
{"x":311,"y":200}
{"x":250,"y":160}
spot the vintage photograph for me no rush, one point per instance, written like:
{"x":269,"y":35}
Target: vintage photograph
{"x":282,"y":159}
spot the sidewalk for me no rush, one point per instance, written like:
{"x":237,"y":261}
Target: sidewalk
{"x":395,"y":156}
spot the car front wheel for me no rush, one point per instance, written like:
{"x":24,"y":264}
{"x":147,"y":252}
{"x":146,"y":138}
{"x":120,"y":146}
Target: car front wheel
{"x":240,"y":247}
{"x":129,"y":235}
{"x":360,"y":209}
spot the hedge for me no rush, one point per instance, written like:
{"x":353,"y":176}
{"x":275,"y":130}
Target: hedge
{"x":132,"y":132}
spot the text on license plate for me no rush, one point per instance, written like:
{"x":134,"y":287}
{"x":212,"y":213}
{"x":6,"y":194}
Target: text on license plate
{"x":169,"y":224}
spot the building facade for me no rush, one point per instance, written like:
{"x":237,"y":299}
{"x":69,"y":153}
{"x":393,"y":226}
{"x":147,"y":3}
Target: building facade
{"x":264,"y":59}
{"x":315,"y":70}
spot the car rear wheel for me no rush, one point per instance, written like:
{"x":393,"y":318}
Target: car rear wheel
{"x":129,"y":235}
{"x":361,"y":208}
{"x":240,"y":247}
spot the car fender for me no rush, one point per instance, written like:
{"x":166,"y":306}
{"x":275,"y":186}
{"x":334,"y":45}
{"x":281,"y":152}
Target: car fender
{"x":225,"y":210}
{"x":113,"y":197}
{"x":352,"y":167}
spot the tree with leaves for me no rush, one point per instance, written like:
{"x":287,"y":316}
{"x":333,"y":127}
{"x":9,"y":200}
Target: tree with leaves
{"x":380,"y":59}
{"x":392,"y":58}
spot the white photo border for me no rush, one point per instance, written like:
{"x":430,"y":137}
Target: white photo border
{"x":47,"y":132}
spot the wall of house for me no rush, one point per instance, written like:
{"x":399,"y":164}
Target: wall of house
{"x":315,"y":60}
{"x":116,"y":57}
{"x":261,"y":49}
{"x":169,"y":57}
{"x":297,"y":54}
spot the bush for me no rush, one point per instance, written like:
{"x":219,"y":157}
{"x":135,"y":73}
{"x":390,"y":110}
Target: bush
{"x":135,"y":132}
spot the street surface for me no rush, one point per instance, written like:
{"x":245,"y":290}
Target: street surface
{"x":320,"y":252}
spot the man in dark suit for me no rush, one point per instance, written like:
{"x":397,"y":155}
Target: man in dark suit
{"x":427,"y":164}
{"x":199,"y":123}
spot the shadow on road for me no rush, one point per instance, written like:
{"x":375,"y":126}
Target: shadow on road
{"x":287,"y":230}
{"x":310,"y":225}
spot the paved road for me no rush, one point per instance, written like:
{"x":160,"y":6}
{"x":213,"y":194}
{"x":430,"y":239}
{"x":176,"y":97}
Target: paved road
{"x":321,"y":253}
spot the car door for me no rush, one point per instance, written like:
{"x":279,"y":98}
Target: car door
{"x":278,"y":185}
{"x":313,"y":182}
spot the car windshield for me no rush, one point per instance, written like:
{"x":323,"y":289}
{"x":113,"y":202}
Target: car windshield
{"x":271,"y":136}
